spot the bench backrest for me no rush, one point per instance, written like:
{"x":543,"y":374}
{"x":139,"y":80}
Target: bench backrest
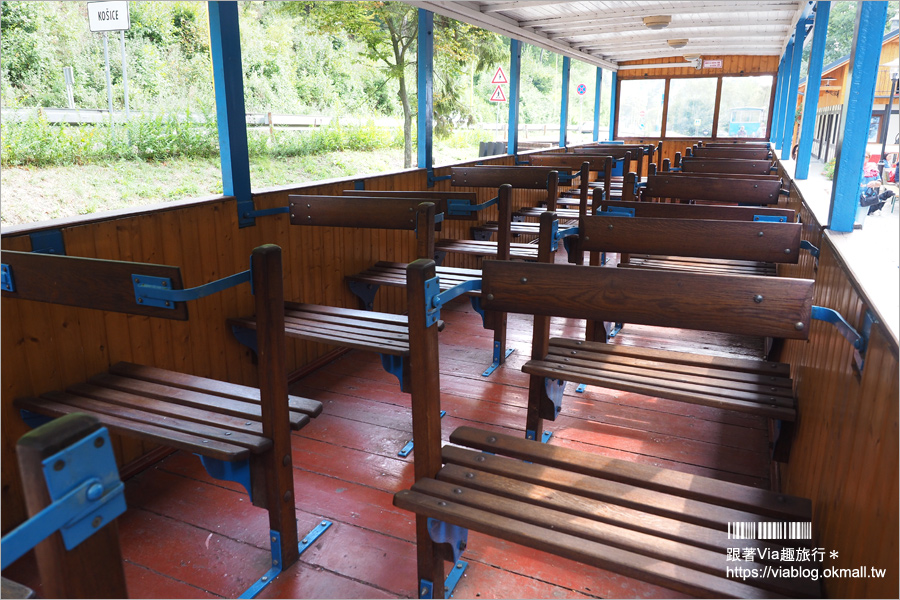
{"x":758,"y":177}
{"x":739,"y":304}
{"x":661,"y":210}
{"x":731,"y":240}
{"x":744,"y":153}
{"x":371,"y":212}
{"x":711,"y":188}
{"x":438,"y":198}
{"x":725,"y":165}
{"x":523,"y":177}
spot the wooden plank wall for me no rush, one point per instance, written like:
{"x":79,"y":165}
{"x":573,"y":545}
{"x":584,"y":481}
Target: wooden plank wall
{"x":48,"y":347}
{"x":845,"y":453}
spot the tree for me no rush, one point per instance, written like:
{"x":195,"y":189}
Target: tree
{"x":388,"y":31}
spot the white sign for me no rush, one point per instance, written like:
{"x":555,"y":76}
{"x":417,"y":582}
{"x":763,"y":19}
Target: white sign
{"x":498,"y":95}
{"x":712,"y":64}
{"x":108,"y":16}
{"x":499,"y":76}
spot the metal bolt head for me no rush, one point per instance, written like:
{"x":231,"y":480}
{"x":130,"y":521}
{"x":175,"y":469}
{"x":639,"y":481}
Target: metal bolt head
{"x":799,"y":326}
{"x":98,"y":441}
{"x":59,"y":465}
{"x":609,"y":226}
{"x":787,"y":250}
{"x":760,"y":234}
{"x":758,"y":298}
{"x":524,"y":280}
{"x":490,"y":296}
{"x":98,"y":520}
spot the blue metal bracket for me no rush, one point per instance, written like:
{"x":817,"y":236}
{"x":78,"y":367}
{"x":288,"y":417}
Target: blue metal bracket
{"x":359,"y":184}
{"x":521,"y":162}
{"x":481,"y":235}
{"x":495,"y":363}
{"x":393,"y":364}
{"x":554,"y":388}
{"x":237,"y":471}
{"x":805,"y":245}
{"x":581,"y":387}
{"x":783,"y":192}
{"x":441,"y":532}
{"x":32,"y":419}
{"x":434,"y":298}
{"x":6,"y":279}
{"x":617,"y":211}
{"x":365,"y":292}
{"x":614,"y":331}
{"x":48,"y":242}
{"x":545,"y":436}
{"x":426,"y":588}
{"x":856,"y":339}
{"x":277,"y":567}
{"x":408,"y":447}
{"x":252,"y":214}
{"x":157,"y":291}
{"x":246,"y":337}
{"x":86,"y":494}
{"x":432,"y":179}
{"x":770,"y":218}
{"x":476,"y":304}
{"x":463,"y":208}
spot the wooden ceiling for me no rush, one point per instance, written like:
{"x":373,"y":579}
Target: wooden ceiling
{"x":608,"y":33}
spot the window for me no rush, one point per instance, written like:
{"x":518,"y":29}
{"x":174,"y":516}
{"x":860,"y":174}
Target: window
{"x":744,"y":107}
{"x":691,"y":106}
{"x":640,"y":107}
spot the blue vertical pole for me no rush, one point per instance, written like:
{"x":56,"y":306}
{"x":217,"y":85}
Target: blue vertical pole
{"x":564,"y":104}
{"x":776,"y":111}
{"x":425,"y":92}
{"x":791,"y":107}
{"x":783,"y":96}
{"x":612,"y":106}
{"x":813,"y":81}
{"x":597,"y":85}
{"x":856,"y":113}
{"x":515,"y":72}
{"x":225,"y":48}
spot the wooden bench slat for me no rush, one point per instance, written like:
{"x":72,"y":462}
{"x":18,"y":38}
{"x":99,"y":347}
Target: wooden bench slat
{"x":630,"y":564}
{"x":350,"y":339}
{"x":150,"y":433}
{"x":362,"y":315}
{"x":205,"y":385}
{"x":713,"y":269}
{"x":227,"y":406}
{"x":96,"y":403}
{"x":700,"y":361}
{"x":676,"y":483}
{"x":734,"y":380}
{"x":601,"y":522}
{"x":394,"y":274}
{"x":770,"y":406}
{"x":368,"y":329}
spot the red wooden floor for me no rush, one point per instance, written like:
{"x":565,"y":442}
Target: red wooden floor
{"x":186,"y":535}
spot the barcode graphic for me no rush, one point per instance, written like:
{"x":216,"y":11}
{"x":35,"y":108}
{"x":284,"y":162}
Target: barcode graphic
{"x":770,"y":530}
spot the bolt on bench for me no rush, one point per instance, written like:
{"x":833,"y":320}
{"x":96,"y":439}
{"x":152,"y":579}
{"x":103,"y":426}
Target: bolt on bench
{"x":241,"y":434}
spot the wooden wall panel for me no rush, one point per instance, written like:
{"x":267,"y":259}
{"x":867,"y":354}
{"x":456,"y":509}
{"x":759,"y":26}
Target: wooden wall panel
{"x":845,"y":453}
{"x":731,"y":65}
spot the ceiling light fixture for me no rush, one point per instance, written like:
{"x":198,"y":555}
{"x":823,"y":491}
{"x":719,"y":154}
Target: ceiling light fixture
{"x":657,"y":22}
{"x":678,"y":43}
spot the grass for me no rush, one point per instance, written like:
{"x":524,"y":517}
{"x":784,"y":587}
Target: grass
{"x":31,"y":194}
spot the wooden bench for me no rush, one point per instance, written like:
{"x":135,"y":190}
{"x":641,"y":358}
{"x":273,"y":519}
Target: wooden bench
{"x":232,"y":427}
{"x":393,"y":274}
{"x":367,"y":330}
{"x":723,"y":165}
{"x":657,"y":525}
{"x":709,"y":188}
{"x":735,"y":152}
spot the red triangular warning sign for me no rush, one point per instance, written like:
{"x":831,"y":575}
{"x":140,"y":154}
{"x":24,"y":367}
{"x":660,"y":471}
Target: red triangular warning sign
{"x":498,"y":95}
{"x":499,"y":76}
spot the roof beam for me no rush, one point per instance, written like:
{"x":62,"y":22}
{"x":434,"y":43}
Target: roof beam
{"x":655,"y":37}
{"x":779,"y":27}
{"x":501,"y":6}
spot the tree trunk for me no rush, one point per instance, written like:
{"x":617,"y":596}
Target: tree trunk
{"x":407,"y":124}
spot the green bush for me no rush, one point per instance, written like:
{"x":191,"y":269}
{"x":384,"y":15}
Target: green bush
{"x":828,"y":171}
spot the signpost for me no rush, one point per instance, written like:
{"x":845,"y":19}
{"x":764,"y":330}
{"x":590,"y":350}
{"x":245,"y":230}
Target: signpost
{"x":105,"y":17}
{"x":498,"y":95}
{"x":581,"y":89}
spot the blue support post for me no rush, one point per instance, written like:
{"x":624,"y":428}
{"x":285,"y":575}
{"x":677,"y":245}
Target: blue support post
{"x":598,"y":80}
{"x":856,"y":113}
{"x":564,"y":104}
{"x":813,"y":82}
{"x":425,"y":80}
{"x":791,"y":107}
{"x":776,"y":112}
{"x":612,"y":106}
{"x":225,"y":48}
{"x":515,"y":72}
{"x":783,"y":96}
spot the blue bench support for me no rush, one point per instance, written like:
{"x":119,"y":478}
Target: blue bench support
{"x":456,"y":538}
{"x":275,"y":571}
{"x":408,"y":447}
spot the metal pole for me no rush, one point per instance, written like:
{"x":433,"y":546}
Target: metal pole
{"x":108,"y":82}
{"x":124,"y":73}
{"x":813,"y":81}
{"x":515,"y":71}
